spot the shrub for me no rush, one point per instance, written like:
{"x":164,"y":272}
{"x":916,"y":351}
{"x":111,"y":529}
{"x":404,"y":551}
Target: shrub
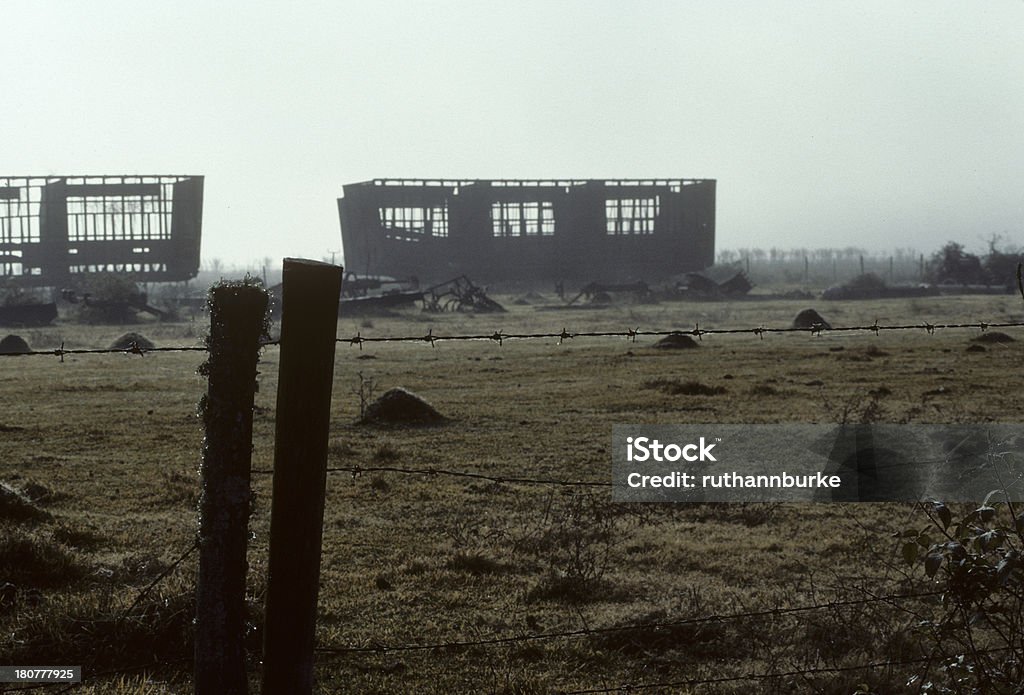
{"x":979,"y":627}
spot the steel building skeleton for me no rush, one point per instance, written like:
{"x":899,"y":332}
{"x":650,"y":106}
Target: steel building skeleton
{"x":56,"y":228}
{"x":528,"y":230}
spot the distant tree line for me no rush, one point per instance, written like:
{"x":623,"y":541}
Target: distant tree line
{"x":951,"y":264}
{"x":831,"y":266}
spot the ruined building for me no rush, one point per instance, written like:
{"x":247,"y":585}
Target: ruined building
{"x":56,"y":228}
{"x":528,"y":230}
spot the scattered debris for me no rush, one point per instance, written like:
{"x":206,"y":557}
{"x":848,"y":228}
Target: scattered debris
{"x":388,"y":294}
{"x":715,"y":282}
{"x":379,"y":305}
{"x":129,"y":341}
{"x":809,"y":318}
{"x":600,"y":293}
{"x":459,"y":294}
{"x":676,"y":341}
{"x":356,"y":286}
{"x":13,"y":344}
{"x":112,"y":299}
{"x":399,"y":406}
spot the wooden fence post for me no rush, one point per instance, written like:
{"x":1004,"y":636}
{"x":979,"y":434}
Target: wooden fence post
{"x":309,"y":323}
{"x":237,"y":321}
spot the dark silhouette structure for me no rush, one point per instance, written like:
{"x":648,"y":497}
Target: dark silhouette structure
{"x":528,"y":230}
{"x":56,"y":228}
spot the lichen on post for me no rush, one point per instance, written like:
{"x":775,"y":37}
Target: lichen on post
{"x":238,"y":321}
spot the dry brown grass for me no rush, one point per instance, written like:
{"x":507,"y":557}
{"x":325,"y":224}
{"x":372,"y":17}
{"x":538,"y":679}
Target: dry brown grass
{"x":421,"y":559}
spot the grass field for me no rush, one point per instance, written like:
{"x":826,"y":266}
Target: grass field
{"x":108,"y":446}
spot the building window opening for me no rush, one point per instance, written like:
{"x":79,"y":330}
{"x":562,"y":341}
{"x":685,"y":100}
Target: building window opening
{"x":419,"y":221}
{"x":631,"y":215}
{"x":516,"y":219}
{"x":118,"y":218}
{"x":19,"y":216}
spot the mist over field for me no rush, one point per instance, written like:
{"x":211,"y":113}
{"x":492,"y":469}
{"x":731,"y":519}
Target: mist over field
{"x":872,"y":124}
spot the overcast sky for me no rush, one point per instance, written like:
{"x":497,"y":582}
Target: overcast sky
{"x":874,"y":124}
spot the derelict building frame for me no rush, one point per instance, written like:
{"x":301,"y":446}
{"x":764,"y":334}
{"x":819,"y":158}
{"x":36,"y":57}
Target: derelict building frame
{"x":528,"y":230}
{"x":56,"y":229}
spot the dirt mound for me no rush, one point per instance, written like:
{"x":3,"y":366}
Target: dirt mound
{"x":16,"y":506}
{"x":676,"y":341}
{"x":13,"y":343}
{"x":401,"y":407}
{"x":993,"y":337}
{"x":129,"y":340}
{"x":809,"y":318}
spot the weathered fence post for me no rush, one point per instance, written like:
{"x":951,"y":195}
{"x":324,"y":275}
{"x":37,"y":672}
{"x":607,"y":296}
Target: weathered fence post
{"x":237,"y":321}
{"x":309,"y":322}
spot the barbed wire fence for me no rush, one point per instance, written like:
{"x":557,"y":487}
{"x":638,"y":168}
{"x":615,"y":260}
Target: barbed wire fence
{"x":654,"y":627}
{"x":500,"y":337}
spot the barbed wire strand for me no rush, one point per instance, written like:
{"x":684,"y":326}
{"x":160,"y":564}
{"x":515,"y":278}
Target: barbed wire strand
{"x":633,"y":333}
{"x":585,"y":632}
{"x":357,"y":471}
{"x":624,"y":688}
{"x":500,"y":337}
{"x":628,"y":687}
{"x":133,"y":349}
{"x":163,"y":575}
{"x":120,"y":619}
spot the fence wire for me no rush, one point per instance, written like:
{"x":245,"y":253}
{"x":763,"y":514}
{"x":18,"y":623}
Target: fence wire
{"x":133,"y":349}
{"x":357,"y":471}
{"x":816,"y":670}
{"x":500,"y":337}
{"x":632,"y":334}
{"x":121,"y":618}
{"x":635,"y":627}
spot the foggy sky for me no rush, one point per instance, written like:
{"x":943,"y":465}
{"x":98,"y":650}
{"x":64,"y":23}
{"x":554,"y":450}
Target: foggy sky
{"x":872,"y":124}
